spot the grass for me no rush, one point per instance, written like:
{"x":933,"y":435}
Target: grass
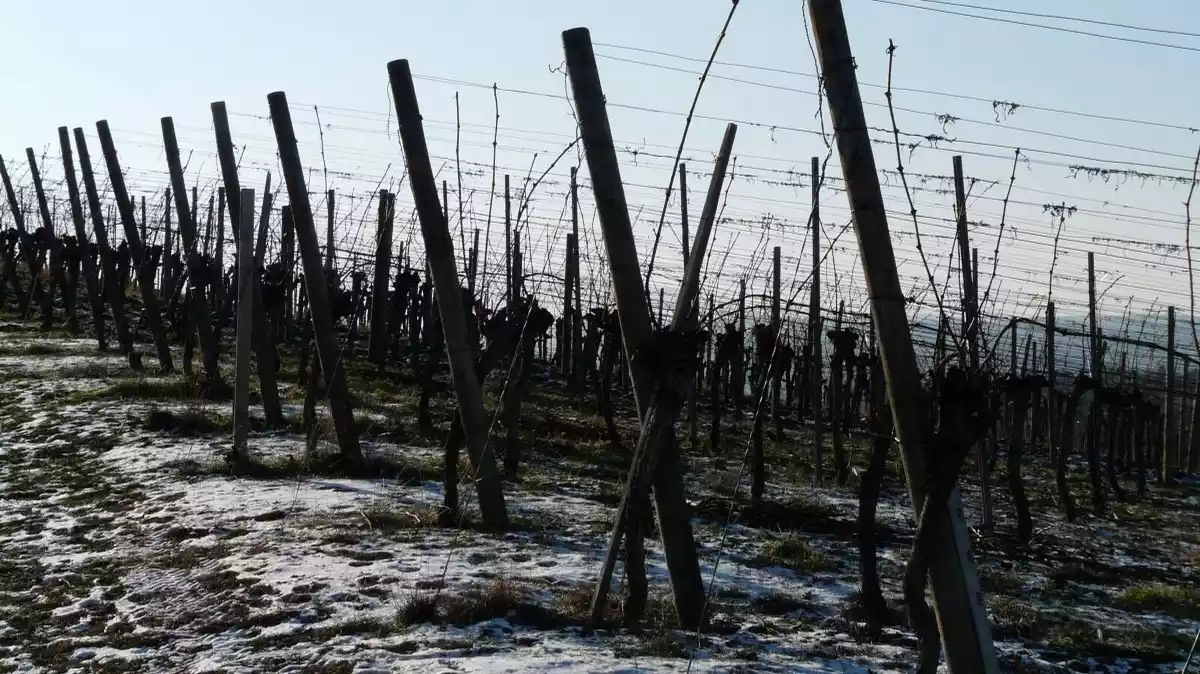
{"x":1177,"y":601}
{"x":793,"y":552}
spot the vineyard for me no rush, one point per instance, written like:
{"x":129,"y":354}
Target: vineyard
{"x":325,"y":400}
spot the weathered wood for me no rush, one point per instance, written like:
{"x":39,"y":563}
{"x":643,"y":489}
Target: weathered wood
{"x":47,"y":297}
{"x":25,"y":243}
{"x":111,"y":286}
{"x":673,"y":512}
{"x":245,"y":326}
{"x":439,"y":252}
{"x":963,"y":235}
{"x":1169,"y":462}
{"x":377,"y":345}
{"x":150,"y":307}
{"x":1093,"y":433}
{"x":264,"y":346}
{"x":330,"y":206}
{"x":777,"y":331}
{"x":815,"y":336}
{"x":958,"y":603}
{"x":1051,"y":383}
{"x":95,"y":296}
{"x":197,"y":270}
{"x":508,"y":273}
{"x":314,"y":279}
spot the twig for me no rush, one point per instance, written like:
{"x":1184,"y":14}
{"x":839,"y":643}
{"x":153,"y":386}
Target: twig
{"x":683,"y":139}
{"x":891,"y":51}
{"x":487,"y":236}
{"x":1000,"y":236}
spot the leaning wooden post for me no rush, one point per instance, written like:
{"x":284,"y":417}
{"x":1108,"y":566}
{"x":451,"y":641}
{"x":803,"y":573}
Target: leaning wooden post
{"x":958,"y":599}
{"x":377,"y":348}
{"x":970,"y":311}
{"x":439,"y":251}
{"x":1170,"y":458}
{"x":150,"y":307}
{"x":95,"y":296}
{"x":245,"y":326}
{"x":314,"y":279}
{"x":47,"y":298}
{"x":25,"y":244}
{"x":1093,"y":434}
{"x":817,"y":364}
{"x":111,"y":288}
{"x":209,"y":342}
{"x":673,"y":512}
{"x":264,"y":346}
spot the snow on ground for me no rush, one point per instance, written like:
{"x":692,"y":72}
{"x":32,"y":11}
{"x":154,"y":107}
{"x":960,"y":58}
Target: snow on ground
{"x":125,"y":549}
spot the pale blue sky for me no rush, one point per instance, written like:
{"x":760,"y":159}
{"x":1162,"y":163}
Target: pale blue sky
{"x":132,"y":62}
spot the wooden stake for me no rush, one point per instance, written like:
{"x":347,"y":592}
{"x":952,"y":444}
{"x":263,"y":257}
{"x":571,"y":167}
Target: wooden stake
{"x":1051,"y":379}
{"x":245,"y":326}
{"x":314,"y":279}
{"x":1170,"y":460}
{"x":150,"y":308}
{"x":264,"y":346}
{"x":958,"y":599}
{"x":815,"y":336}
{"x":439,"y":251}
{"x":111,"y":287}
{"x":377,"y":346}
{"x":673,"y":512}
{"x":970,"y":311}
{"x":95,"y":296}
{"x":196,"y":265}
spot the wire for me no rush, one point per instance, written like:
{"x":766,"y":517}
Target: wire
{"x":1059,"y":29}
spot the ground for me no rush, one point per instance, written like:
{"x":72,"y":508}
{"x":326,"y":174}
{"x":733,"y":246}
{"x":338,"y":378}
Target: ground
{"x":127,"y":546}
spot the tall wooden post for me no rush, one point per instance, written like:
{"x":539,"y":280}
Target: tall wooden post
{"x":264,"y":345}
{"x":330,"y":207}
{"x":508,"y":269}
{"x":168,"y":237}
{"x":1170,"y":460}
{"x":377,"y":346}
{"x":958,"y":602}
{"x":314,"y":279}
{"x":439,"y":250}
{"x":739,"y":394}
{"x":817,"y":364}
{"x":1051,"y":379}
{"x":673,"y":513}
{"x":112,"y":289}
{"x":577,"y":324}
{"x":518,"y":267}
{"x":219,"y":261}
{"x":196,"y":272}
{"x":1193,"y":446}
{"x":1184,"y":428}
{"x":95,"y":296}
{"x":970,"y":311}
{"x":150,"y":307}
{"x":245,"y":324}
{"x":474,"y":268}
{"x":25,"y":244}
{"x":1093,"y":435}
{"x":1012,"y":346}
{"x":684,"y":224}
{"x":566,"y":348}
{"x":47,"y":298}
{"x":776,"y":325}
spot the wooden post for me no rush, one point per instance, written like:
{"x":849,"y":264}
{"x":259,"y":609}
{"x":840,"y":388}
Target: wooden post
{"x":287,"y":238}
{"x":692,"y":420}
{"x":209,"y":342}
{"x":95,"y":296}
{"x":474,"y":268}
{"x":314,"y":278}
{"x":150,"y":307}
{"x":1193,"y":447}
{"x":970,"y":311}
{"x":776,"y":325}
{"x":26,"y":244}
{"x":144,"y":222}
{"x":508,"y":273}
{"x":739,"y":394}
{"x":566,"y":348}
{"x":439,"y":251}
{"x":264,"y":346}
{"x":673,"y":513}
{"x":166,"y":276}
{"x":577,"y":324}
{"x":1170,"y":459}
{"x":958,"y":601}
{"x":817,"y":365}
{"x":330,"y":205}
{"x":1184,"y":429}
{"x":377,"y":346}
{"x":1012,"y":347}
{"x":112,"y":290}
{"x":1093,"y":435}
{"x":1051,"y":377}
{"x":245,"y":323}
{"x":219,"y":263}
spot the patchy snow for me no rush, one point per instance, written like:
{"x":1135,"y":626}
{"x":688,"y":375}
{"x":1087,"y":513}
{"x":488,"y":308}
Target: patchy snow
{"x":120,"y":546}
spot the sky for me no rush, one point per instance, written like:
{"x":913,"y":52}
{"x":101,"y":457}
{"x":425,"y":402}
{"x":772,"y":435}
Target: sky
{"x":133,"y":62}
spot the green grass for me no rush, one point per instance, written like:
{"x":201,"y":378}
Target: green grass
{"x":1177,"y":601}
{"x":794,"y":553}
